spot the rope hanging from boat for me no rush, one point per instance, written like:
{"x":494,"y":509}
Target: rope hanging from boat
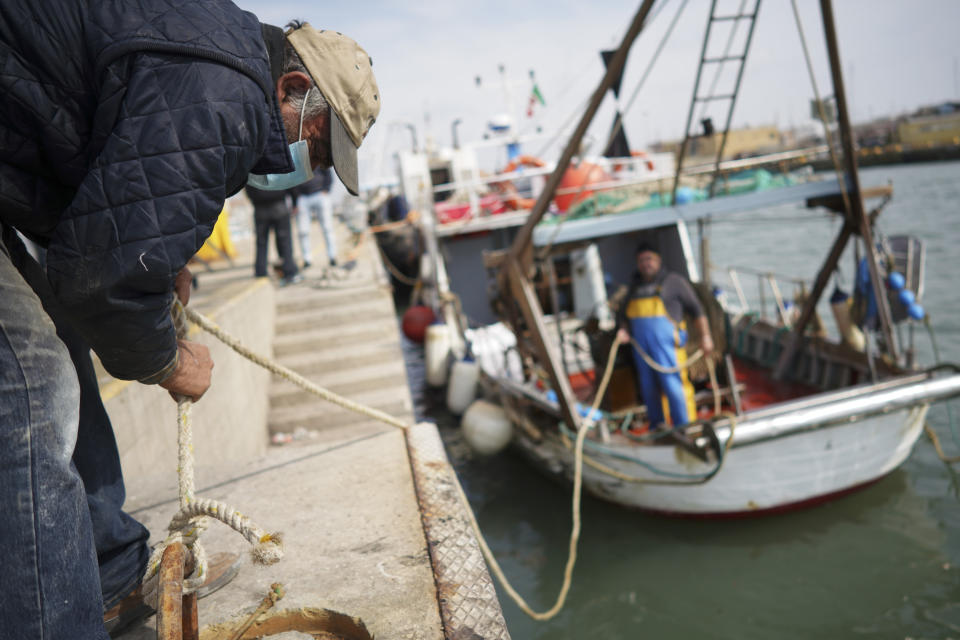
{"x":575,"y":530}
{"x":935,"y":439}
{"x":392,"y":268}
{"x":926,"y":425}
{"x":678,"y":478}
{"x":656,"y":366}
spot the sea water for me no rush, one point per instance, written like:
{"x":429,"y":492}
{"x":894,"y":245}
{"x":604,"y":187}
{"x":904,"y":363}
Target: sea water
{"x":881,"y":563}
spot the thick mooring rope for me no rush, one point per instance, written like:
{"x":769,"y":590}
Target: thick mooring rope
{"x":191,"y":520}
{"x":575,"y":529}
{"x":188,"y":513}
{"x":288,"y":374}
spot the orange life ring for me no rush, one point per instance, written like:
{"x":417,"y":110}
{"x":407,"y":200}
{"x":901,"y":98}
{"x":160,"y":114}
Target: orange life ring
{"x":636,"y":154}
{"x":523,"y":161}
{"x":511,"y":198}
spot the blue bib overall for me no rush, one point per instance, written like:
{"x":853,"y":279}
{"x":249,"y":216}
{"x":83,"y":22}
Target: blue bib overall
{"x":668,"y":396}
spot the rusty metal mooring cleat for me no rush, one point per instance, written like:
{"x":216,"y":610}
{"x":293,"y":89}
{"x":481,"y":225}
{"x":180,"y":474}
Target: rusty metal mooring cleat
{"x":176,"y":612}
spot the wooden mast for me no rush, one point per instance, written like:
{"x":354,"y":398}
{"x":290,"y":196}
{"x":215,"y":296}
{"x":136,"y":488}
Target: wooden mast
{"x":517,"y":267}
{"x":856,"y":217}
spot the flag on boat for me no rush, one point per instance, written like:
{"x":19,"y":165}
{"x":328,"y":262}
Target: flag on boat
{"x":535,"y":97}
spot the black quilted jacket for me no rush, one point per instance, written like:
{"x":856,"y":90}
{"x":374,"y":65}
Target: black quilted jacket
{"x":124,"y":125}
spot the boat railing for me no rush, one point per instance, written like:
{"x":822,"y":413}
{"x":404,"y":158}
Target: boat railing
{"x":483,"y":182}
{"x":741,"y":164}
{"x":768,"y":284}
{"x":630,"y":174}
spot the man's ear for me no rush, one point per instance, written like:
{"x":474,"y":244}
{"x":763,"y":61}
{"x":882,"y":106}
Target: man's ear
{"x":294,"y":81}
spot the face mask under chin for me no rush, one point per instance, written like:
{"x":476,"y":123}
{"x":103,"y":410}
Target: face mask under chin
{"x":301,"y":173}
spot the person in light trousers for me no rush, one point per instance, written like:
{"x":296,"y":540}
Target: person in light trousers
{"x":313,"y":201}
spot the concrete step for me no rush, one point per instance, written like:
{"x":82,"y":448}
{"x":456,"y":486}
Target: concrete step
{"x":342,"y":376}
{"x":313,"y":299}
{"x":293,"y":395}
{"x":325,"y":336}
{"x":384,"y":348}
{"x":345,"y":315}
{"x":319,"y":415}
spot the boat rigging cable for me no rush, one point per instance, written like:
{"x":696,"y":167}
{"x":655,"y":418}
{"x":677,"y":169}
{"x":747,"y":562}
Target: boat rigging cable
{"x":848,"y":211}
{"x":544,"y":252}
{"x":618,"y":125}
{"x":926,"y":425}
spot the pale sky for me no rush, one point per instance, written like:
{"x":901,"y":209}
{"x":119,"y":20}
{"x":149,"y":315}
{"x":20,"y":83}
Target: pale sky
{"x":897,"y":55}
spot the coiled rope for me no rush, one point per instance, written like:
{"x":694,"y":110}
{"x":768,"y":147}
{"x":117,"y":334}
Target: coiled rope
{"x":676,"y":479}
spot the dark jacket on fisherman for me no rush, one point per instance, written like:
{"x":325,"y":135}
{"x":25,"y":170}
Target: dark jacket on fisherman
{"x":123,"y":127}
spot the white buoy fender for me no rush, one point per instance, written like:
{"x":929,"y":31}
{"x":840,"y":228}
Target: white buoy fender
{"x":436,"y":354}
{"x":486,"y":428}
{"x":462,"y":389}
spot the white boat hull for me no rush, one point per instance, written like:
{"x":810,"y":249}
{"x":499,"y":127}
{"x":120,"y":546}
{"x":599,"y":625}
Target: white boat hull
{"x":788,"y":471}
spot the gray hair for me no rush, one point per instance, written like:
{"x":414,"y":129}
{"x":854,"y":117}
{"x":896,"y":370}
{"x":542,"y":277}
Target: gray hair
{"x":316,"y":103}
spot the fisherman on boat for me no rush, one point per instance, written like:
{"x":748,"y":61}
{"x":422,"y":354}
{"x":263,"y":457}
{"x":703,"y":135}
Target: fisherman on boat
{"x":652,"y":317}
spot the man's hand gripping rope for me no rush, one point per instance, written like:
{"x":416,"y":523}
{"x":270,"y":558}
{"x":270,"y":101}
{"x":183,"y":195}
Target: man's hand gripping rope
{"x":190,"y":380}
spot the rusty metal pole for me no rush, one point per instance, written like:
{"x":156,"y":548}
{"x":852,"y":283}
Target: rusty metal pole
{"x":190,"y":618}
{"x":176,"y":613}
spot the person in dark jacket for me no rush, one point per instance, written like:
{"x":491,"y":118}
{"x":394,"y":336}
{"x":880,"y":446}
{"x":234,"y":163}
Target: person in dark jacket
{"x":313,"y":201}
{"x":123,"y":127}
{"x":271,"y":211}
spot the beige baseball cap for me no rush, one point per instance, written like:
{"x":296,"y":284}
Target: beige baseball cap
{"x":343,"y":72}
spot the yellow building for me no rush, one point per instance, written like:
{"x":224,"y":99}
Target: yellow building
{"x":741,"y":143}
{"x":930,"y":130}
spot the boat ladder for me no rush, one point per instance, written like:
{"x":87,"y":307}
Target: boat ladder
{"x":704,"y":100}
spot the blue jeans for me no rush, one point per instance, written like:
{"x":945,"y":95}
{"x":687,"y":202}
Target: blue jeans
{"x":316,"y":205}
{"x":70,"y":548}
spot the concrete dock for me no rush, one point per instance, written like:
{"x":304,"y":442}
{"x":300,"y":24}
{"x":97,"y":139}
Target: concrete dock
{"x":372,"y":527}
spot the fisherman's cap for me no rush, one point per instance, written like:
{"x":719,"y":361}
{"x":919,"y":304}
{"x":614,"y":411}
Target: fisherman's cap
{"x":343,"y":72}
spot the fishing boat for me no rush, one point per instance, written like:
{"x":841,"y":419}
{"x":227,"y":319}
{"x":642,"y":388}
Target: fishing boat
{"x":788,"y":414}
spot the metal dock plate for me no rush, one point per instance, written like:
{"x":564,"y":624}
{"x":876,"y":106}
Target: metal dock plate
{"x":468,"y":601}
